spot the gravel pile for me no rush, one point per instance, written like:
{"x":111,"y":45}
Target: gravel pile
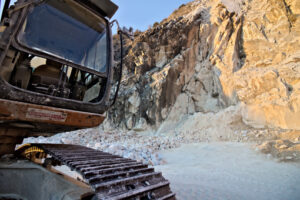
{"x":143,"y":147}
{"x":127,"y":144}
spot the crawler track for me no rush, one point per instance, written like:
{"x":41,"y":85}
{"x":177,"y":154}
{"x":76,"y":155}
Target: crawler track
{"x":111,"y":176}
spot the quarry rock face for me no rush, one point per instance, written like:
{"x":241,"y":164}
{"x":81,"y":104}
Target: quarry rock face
{"x":209,"y":55}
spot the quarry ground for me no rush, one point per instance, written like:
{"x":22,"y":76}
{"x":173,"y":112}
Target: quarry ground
{"x":201,"y":167}
{"x":207,"y":156}
{"x":229,"y":170}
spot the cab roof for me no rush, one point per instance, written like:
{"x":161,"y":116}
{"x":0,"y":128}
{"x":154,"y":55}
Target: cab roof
{"x":106,"y":7}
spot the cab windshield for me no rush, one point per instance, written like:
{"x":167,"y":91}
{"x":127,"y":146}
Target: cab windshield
{"x":66,"y":30}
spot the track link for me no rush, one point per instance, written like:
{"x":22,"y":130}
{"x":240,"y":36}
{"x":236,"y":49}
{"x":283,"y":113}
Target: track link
{"x":111,"y":176}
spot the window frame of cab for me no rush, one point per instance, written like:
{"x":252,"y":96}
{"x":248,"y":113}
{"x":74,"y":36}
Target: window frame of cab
{"x":103,"y":104}
{"x":21,"y":47}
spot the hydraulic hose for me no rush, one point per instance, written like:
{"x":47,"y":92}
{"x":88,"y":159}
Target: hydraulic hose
{"x":121,"y":69}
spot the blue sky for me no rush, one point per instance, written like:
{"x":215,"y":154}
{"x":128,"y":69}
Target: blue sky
{"x":140,"y":14}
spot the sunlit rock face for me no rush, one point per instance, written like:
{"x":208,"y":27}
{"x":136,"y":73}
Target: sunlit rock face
{"x":209,"y":55}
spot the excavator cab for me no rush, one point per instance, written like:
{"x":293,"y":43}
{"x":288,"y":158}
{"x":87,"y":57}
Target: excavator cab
{"x":56,"y":61}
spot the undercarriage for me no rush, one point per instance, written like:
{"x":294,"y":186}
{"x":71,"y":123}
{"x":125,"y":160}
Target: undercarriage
{"x":22,"y":179}
{"x":100,"y":175}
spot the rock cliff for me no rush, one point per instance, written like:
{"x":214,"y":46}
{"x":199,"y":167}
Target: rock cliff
{"x":209,"y":55}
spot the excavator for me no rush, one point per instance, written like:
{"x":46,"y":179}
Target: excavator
{"x":56,"y":75}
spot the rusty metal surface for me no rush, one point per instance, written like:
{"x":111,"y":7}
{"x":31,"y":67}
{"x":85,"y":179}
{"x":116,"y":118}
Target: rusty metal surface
{"x":8,"y":91}
{"x":18,"y":111}
{"x":19,"y":120}
{"x":111,"y":176}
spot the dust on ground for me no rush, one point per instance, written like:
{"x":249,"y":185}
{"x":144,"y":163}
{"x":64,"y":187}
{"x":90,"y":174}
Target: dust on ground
{"x":227,"y":170}
{"x":226,"y":162}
